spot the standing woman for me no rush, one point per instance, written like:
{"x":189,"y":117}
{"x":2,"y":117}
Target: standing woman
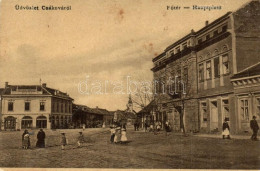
{"x":226,"y":129}
{"x":117,"y":135}
{"x":40,"y":139}
{"x":123,"y":134}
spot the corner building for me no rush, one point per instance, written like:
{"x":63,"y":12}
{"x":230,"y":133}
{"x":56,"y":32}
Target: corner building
{"x":206,"y":60}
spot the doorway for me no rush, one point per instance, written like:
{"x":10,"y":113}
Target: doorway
{"x":214,"y":116}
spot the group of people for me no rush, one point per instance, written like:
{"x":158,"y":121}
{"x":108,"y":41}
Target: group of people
{"x":64,"y":140}
{"x":253,"y":125}
{"x":118,"y":133}
{"x":26,"y":143}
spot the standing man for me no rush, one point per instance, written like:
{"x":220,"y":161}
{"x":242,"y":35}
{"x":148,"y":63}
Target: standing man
{"x":254,"y":126}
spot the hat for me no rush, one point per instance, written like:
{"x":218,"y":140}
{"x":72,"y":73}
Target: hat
{"x":254,"y":117}
{"x":63,"y":133}
{"x":80,"y":132}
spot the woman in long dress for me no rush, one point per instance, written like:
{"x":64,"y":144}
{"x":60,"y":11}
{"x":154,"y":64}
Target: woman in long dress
{"x":123,"y":134}
{"x":117,"y":137}
{"x":226,"y":129}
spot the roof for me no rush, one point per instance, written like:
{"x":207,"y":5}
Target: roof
{"x":193,"y":33}
{"x":253,"y":70}
{"x":147,"y":108}
{"x":96,"y":110}
{"x":125,"y":115}
{"x":34,"y":88}
{"x":1,"y":91}
{"x":10,"y":88}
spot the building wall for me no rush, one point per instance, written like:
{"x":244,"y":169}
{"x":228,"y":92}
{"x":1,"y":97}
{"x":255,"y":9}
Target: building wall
{"x":246,"y":27}
{"x":19,"y":109}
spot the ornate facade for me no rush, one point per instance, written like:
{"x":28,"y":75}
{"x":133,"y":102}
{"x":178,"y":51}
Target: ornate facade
{"x":204,"y":63}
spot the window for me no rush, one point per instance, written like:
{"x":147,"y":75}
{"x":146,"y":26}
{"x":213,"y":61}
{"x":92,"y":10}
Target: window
{"x":185,"y":75}
{"x":208,"y":37}
{"x":204,"y":112}
{"x":61,"y":107}
{"x":53,"y":107}
{"x":215,"y":33}
{"x":57,"y":107}
{"x":225,"y":64}
{"x":10,"y":106}
{"x":171,"y":52}
{"x":216,"y":67}
{"x":178,"y":49}
{"x":201,"y":72}
{"x":225,"y":109}
{"x":66,"y":107}
{"x":69,"y":108}
{"x":224,"y":28}
{"x":184,"y":46}
{"x":27,"y":106}
{"x":42,"y":106}
{"x":258,"y":107}
{"x":200,"y":41}
{"x":208,"y":70}
{"x":244,"y":109}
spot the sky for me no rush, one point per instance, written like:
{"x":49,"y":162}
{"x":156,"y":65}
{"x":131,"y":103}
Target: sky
{"x":105,"y":41}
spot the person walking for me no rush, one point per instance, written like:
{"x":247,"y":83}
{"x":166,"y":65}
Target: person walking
{"x":41,"y":139}
{"x":226,"y":130}
{"x":123,"y":134}
{"x":63,"y":141}
{"x":80,"y":139}
{"x":254,"y":126}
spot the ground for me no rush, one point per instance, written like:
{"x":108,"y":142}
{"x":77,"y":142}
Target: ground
{"x":145,"y":150}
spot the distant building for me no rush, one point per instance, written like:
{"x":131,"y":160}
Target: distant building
{"x":127,"y":116}
{"x":90,"y":117}
{"x":34,"y":106}
{"x":207,"y":62}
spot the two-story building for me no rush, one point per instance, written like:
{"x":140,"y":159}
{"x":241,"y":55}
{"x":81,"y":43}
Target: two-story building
{"x":204,"y":62}
{"x":34,"y":106}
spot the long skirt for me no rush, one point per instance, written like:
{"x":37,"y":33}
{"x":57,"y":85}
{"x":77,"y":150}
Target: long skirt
{"x":225,"y":132}
{"x":123,"y":136}
{"x":117,"y":138}
{"x":40,"y":143}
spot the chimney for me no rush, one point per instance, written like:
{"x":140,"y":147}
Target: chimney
{"x":44,"y":85}
{"x":6,"y":84}
{"x":206,"y":22}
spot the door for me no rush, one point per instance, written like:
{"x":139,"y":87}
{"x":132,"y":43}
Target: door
{"x":214,"y":116}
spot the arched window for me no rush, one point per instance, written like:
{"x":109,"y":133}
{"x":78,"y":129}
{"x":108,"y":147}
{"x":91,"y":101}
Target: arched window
{"x":215,"y":52}
{"x":41,"y":122}
{"x":27,"y":122}
{"x":10,"y":122}
{"x":225,"y":48}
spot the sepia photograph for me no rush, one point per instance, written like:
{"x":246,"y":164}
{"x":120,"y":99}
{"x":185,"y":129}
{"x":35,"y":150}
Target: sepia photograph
{"x":133,"y":84}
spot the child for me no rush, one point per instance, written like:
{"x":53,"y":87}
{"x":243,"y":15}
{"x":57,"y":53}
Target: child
{"x":26,"y":140}
{"x":63,"y":141}
{"x":80,"y":139}
{"x":113,"y":132}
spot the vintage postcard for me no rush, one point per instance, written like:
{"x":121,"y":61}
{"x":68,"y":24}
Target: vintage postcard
{"x":132,"y":84}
